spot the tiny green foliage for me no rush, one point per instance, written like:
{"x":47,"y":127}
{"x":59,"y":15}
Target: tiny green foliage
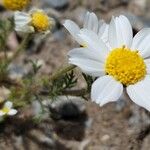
{"x":69,"y":80}
{"x":56,"y":87}
{"x":3,"y":70}
{"x":89,"y":80}
{"x":35,"y":66}
{"x":22,"y":95}
{"x":65,"y":82}
{"x":5,"y":28}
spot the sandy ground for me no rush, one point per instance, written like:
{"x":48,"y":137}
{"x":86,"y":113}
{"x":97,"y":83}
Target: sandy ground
{"x":122,"y":126}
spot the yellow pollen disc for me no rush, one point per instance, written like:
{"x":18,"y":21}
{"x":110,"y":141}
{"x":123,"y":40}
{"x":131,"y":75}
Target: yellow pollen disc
{"x":125,"y":66}
{"x":40,"y":21}
{"x":15,"y":4}
{"x":5,"y":110}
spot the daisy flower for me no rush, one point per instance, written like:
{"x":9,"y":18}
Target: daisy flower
{"x":125,"y":65}
{"x":15,"y":4}
{"x":7,"y":109}
{"x":91,"y":23}
{"x":34,"y":21}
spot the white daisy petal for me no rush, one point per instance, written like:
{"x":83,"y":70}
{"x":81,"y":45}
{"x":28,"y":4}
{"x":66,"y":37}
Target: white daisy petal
{"x":139,"y":93}
{"x":95,"y":23}
{"x":85,"y":25}
{"x":88,"y":66}
{"x":22,"y":21}
{"x":12,"y":112}
{"x":84,"y":53}
{"x":26,"y":29}
{"x":8,"y":104}
{"x":91,"y":22}
{"x":120,"y":32}
{"x":147,"y":62}
{"x":73,"y":28}
{"x":112,"y":34}
{"x":105,"y":89}
{"x":141,"y":42}
{"x":102,"y":25}
{"x":22,"y":18}
{"x":103,"y":32}
{"x":94,"y":43}
{"x":2,"y":113}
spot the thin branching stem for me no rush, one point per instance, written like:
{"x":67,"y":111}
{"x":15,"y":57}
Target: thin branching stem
{"x":61,"y":72}
{"x":75,"y":92}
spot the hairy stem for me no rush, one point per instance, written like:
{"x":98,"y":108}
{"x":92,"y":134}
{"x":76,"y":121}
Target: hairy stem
{"x":71,"y":92}
{"x":77,"y":92}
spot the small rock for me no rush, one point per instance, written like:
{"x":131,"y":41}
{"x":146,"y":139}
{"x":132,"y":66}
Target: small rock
{"x":39,"y":111}
{"x":145,"y":143}
{"x":40,"y":63}
{"x":88,"y":123}
{"x":16,"y":71}
{"x":105,"y":138}
{"x":12,"y":41}
{"x":84,"y":144}
{"x":59,"y":35}
{"x":67,"y":107}
{"x":120,"y":104}
{"x":36,"y":108}
{"x":42,"y":138}
{"x":8,"y":54}
{"x":56,"y":3}
{"x":139,"y":117}
{"x":4,"y":93}
{"x":18,"y":142}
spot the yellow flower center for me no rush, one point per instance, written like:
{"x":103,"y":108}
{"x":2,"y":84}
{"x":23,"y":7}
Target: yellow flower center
{"x":40,"y":21}
{"x":5,"y":110}
{"x":15,"y":4}
{"x":125,"y":66}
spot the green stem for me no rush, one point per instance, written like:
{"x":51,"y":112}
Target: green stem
{"x":62,"y":71}
{"x":75,"y":92}
{"x":5,"y":54}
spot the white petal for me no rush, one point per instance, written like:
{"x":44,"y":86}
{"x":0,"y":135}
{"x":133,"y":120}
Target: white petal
{"x":120,"y":32}
{"x":147,"y":62}
{"x":22,"y":21}
{"x":84,"y":53}
{"x":12,"y":112}
{"x":91,"y":22}
{"x":22,"y":18}
{"x":141,"y":42}
{"x":140,"y":93}
{"x":85,"y":25}
{"x":88,"y":66}
{"x":25,"y":29}
{"x":2,"y":113}
{"x":8,"y":104}
{"x":94,"y":43}
{"x":103,"y":32}
{"x":105,"y":89}
{"x":74,"y":29}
